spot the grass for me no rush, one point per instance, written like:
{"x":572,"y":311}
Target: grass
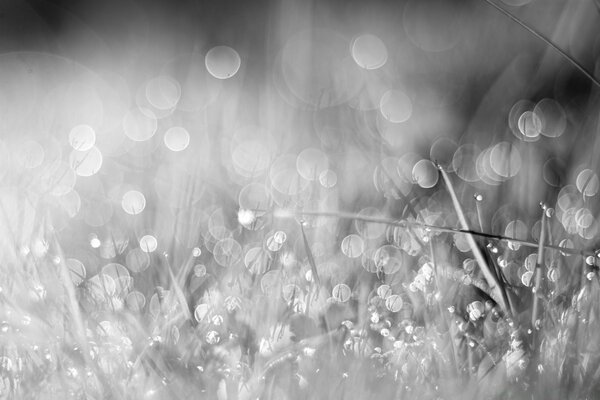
{"x":267,"y":303}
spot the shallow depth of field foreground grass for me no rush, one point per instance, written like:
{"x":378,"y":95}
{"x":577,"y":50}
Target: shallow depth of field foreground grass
{"x":299,"y":200}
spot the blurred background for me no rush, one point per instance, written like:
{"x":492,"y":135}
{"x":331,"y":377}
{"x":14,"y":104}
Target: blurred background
{"x":145,"y":144}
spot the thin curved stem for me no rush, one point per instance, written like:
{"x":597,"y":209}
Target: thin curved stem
{"x":289,"y":213}
{"x":545,"y":40}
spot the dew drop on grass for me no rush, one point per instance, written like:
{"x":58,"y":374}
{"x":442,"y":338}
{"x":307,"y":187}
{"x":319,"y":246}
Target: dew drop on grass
{"x":369,"y":52}
{"x":341,"y":292}
{"x":353,"y":246}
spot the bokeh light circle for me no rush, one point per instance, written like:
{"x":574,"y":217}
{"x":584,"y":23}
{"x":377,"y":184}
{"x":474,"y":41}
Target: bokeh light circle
{"x":133,"y":202}
{"x":369,"y":51}
{"x":82,"y":137}
{"x":148,"y":243}
{"x":222,"y":62}
{"x":177,"y":138}
{"x":86,"y":163}
{"x":140,"y":124}
{"x":395,"y":106}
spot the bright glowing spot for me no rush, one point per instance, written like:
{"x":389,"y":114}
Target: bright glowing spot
{"x":82,"y":137}
{"x":425,"y":174}
{"x":246,"y":217}
{"x":86,"y":163}
{"x":222,"y":62}
{"x":95,"y":242}
{"x":163,"y":92}
{"x":369,"y":52}
{"x":140,"y":124}
{"x":133,"y":202}
{"x":148,"y":243}
{"x":395,"y":106}
{"x":177,"y":138}
{"x":196,"y":252}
